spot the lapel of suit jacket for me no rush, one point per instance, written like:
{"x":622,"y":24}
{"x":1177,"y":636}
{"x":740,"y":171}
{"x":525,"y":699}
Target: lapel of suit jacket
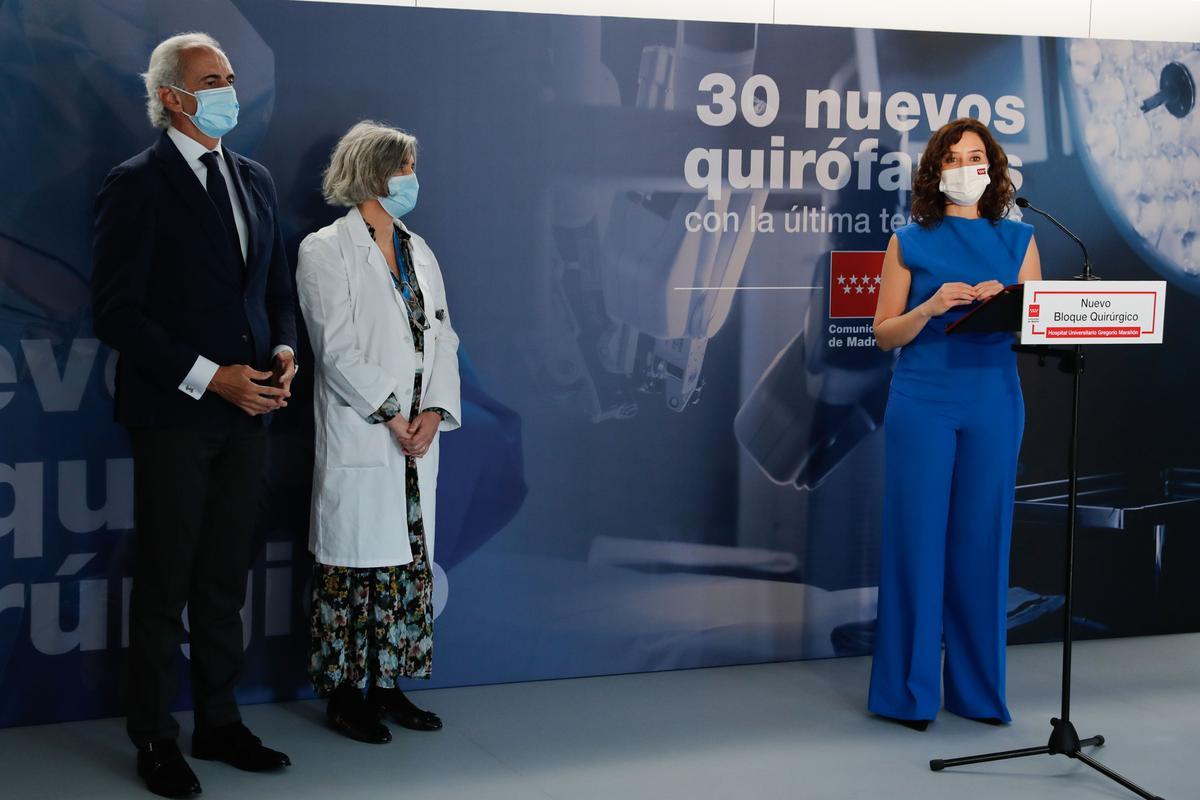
{"x":239,"y":168}
{"x":183,"y":180}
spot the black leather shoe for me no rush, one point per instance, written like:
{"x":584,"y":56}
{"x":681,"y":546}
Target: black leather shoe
{"x":237,"y":746}
{"x":165,"y":771}
{"x":393,"y":703}
{"x":912,"y":724}
{"x":349,"y":715}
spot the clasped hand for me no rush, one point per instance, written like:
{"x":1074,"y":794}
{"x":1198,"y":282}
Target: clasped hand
{"x":240,"y":384}
{"x":954,"y":294}
{"x":414,"y":436}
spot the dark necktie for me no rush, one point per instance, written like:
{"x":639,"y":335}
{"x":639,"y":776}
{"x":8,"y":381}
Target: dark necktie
{"x":219,"y":193}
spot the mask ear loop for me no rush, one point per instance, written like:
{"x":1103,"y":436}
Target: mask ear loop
{"x":175,"y":88}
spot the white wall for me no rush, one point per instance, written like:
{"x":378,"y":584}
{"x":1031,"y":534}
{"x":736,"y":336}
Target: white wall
{"x":1165,"y":20}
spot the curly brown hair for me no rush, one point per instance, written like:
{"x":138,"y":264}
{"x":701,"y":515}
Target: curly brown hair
{"x":928,"y":202}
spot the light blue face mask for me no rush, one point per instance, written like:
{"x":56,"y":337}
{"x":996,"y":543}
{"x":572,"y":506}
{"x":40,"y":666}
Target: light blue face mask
{"x":216,"y":110}
{"x":402,"y":195}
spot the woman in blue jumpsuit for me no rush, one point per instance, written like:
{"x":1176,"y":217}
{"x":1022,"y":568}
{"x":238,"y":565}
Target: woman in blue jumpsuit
{"x":953,"y":430}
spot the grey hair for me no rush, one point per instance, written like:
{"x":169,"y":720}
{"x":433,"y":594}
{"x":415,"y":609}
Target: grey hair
{"x":363,"y":160}
{"x":166,"y":69}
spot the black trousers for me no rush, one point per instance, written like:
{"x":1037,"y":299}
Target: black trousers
{"x":195,"y":506}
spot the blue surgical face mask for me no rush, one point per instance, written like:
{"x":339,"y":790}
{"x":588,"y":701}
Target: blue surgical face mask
{"x":216,"y":110}
{"x":402,"y":195}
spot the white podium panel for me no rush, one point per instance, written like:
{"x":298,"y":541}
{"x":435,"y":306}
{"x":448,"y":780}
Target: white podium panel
{"x":1093,"y":312}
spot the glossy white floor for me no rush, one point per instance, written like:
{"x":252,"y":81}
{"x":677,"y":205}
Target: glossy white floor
{"x":794,"y":730}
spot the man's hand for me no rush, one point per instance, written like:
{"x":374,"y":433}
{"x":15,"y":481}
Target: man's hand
{"x":421,"y":431}
{"x":283,"y":370}
{"x":236,"y":384}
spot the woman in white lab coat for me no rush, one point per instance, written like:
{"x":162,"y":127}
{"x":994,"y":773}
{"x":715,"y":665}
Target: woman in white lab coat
{"x":386,"y":385}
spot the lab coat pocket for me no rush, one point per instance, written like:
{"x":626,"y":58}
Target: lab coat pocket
{"x":435,"y":326}
{"x":353,"y":442}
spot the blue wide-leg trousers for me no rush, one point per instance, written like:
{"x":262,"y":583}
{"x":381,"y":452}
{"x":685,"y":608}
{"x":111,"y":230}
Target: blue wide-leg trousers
{"x":948,"y":502}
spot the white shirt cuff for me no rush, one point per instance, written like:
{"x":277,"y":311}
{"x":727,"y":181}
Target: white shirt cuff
{"x":197,"y":380}
{"x":283,"y":348}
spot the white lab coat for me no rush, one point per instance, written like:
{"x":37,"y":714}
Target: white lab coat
{"x":364,"y":352}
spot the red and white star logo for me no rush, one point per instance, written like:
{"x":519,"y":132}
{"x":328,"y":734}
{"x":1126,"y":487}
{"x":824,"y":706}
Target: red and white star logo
{"x":859,"y":271}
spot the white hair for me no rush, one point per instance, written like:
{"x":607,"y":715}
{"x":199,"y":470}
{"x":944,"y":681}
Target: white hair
{"x":363,"y":160}
{"x":166,"y":69}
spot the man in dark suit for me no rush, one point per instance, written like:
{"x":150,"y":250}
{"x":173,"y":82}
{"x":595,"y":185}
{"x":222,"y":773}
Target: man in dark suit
{"x":191,"y":286}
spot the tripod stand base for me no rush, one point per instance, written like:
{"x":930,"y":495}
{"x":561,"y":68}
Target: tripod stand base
{"x":1064,"y":741}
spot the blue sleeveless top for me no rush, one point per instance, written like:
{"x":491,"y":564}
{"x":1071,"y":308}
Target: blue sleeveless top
{"x":938,"y":366}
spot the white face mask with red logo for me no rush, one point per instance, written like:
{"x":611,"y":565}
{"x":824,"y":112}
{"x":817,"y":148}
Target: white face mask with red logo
{"x":965,"y":185}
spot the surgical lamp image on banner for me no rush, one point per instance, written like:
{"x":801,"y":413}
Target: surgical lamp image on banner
{"x":1138,"y":132}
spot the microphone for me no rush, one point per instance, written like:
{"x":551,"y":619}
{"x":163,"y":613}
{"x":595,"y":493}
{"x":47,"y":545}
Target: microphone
{"x":1087,"y":262}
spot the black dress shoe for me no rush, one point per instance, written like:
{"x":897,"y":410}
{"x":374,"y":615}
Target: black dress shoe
{"x":988,"y":720}
{"x":912,"y":724}
{"x":165,"y":771}
{"x":237,"y":746}
{"x":393,"y":703}
{"x":349,"y":715}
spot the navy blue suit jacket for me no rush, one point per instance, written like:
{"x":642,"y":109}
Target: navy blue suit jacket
{"x":167,"y":287}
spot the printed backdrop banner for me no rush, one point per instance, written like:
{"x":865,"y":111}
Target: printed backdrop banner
{"x":661,"y":242}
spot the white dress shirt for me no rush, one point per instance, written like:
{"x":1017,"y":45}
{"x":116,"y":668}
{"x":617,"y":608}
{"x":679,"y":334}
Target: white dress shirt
{"x":201,"y":374}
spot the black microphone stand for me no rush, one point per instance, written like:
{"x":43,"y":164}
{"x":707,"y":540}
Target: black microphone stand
{"x":1064,"y":740}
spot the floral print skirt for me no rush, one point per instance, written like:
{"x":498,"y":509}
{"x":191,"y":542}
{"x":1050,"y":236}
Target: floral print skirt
{"x":374,"y":626}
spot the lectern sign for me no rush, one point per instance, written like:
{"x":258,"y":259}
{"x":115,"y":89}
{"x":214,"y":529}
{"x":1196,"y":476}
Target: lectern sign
{"x":1093,"y":312}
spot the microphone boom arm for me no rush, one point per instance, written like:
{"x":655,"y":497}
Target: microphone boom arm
{"x":1087,"y":262}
